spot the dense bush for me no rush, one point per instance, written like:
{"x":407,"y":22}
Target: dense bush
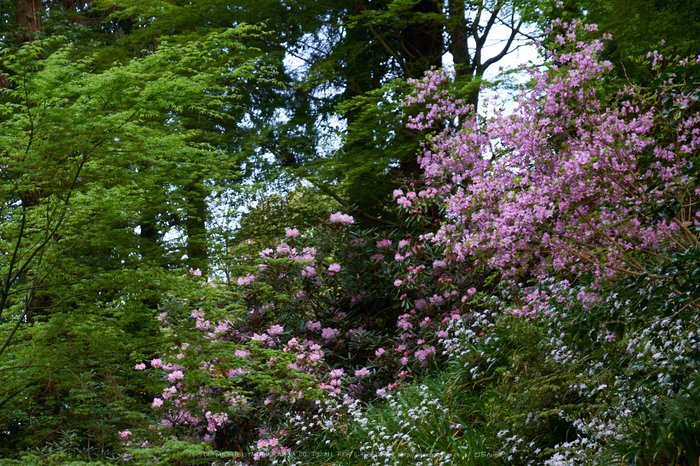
{"x":327,"y":313}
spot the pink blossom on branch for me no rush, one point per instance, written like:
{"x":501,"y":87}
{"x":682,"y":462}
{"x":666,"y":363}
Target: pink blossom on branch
{"x":342,"y":218}
{"x":556,"y":185}
{"x":313,"y":326}
{"x":334,"y":268}
{"x":383,"y":243}
{"x":329,"y":333}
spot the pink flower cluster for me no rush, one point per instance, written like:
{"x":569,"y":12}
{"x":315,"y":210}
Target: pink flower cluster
{"x":329,"y":333}
{"x":342,"y":218}
{"x":557,"y":184}
{"x":247,"y":280}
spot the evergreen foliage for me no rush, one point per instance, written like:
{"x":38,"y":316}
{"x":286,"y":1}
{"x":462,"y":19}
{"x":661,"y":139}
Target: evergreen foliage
{"x":218,"y":242}
{"x":94,"y":147}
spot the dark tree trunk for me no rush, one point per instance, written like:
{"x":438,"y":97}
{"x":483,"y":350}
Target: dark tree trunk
{"x":423,"y":42}
{"x":28,"y":18}
{"x":196,"y":227}
{"x":458,"y":32}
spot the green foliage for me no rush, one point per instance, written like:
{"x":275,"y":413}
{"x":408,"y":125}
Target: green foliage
{"x":121,"y":121}
{"x":426,"y":421}
{"x":666,"y":431}
{"x":91,"y":147}
{"x":638,"y":26}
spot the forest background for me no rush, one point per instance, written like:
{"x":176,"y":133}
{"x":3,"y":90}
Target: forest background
{"x":202,"y":256}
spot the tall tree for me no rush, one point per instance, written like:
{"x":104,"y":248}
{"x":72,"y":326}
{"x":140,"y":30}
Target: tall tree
{"x":86,"y":134}
{"x":28,"y":18}
{"x":406,"y":38}
{"x":332,"y":117}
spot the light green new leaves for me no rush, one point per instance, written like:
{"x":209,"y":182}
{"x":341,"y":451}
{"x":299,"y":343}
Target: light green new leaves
{"x":88,"y":144}
{"x":69,"y":129}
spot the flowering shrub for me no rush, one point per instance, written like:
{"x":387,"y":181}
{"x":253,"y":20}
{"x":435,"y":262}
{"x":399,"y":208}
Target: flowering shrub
{"x":420,"y":425}
{"x":571,"y":182}
{"x":589,"y":205}
{"x":321,"y":315}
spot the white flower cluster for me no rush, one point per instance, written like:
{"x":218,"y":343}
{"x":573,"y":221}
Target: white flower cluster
{"x":395,"y":443}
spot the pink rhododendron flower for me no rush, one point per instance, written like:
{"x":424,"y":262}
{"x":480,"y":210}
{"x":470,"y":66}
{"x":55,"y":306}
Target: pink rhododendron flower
{"x":329,"y":333}
{"x":436,"y":300}
{"x":362,"y":373}
{"x":221,"y":327}
{"x":292,"y":233}
{"x":337,"y":373}
{"x":156,"y":363}
{"x":261,"y":338}
{"x":140,"y":366}
{"x":404,"y":324}
{"x":334,"y":268}
{"x":237,"y":371}
{"x":283,"y":248}
{"x":422,"y":354}
{"x":247,"y":280}
{"x":313,"y":326}
{"x":341,"y":218}
{"x":275,"y":330}
{"x":157,"y":402}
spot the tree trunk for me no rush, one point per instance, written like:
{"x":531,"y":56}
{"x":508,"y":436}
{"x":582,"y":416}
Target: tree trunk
{"x":28,"y":18}
{"x":459,"y":34}
{"x":196,"y":227}
{"x":423,"y":41}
